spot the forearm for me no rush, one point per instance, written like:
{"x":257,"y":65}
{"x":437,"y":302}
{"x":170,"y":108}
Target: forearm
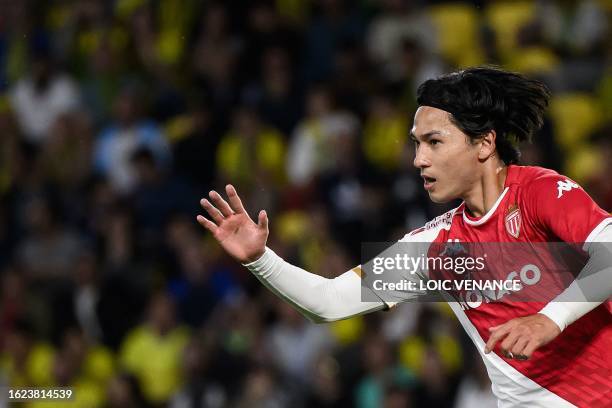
{"x":591,"y":288}
{"x":317,"y":298}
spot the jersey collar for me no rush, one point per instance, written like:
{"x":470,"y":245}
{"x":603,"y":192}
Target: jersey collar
{"x":488,"y":215}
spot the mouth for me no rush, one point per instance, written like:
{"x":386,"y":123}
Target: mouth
{"x":429,"y":182}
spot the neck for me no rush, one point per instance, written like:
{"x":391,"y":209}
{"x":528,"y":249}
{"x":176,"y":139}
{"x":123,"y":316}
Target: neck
{"x":486,"y":190}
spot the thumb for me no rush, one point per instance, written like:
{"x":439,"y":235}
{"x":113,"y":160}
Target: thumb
{"x":262,"y":220}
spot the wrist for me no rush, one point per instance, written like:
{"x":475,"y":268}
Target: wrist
{"x":557,"y":313}
{"x":256,"y":259}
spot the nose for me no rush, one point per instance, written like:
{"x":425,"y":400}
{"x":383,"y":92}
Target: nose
{"x":420,"y":160}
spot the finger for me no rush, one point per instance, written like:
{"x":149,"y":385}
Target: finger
{"x":214,"y":213}
{"x":509,"y":341}
{"x":220,"y":203}
{"x":262,"y":220}
{"x":519,"y":346}
{"x":206,"y":223}
{"x":530,"y":348}
{"x":497,"y":335}
{"x":234,"y":200}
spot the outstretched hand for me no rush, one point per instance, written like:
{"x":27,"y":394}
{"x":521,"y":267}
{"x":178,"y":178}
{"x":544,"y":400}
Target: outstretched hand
{"x":232,"y":227}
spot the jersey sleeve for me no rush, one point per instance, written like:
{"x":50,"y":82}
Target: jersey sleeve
{"x":415,"y":244}
{"x":562,"y":207}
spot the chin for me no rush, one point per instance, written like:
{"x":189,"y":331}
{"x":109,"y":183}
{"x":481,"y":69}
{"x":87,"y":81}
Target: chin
{"x":439,"y":198}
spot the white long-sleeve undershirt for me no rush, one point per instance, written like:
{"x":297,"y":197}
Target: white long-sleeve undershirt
{"x":324,"y":300}
{"x":318,"y":298}
{"x":592,"y":286}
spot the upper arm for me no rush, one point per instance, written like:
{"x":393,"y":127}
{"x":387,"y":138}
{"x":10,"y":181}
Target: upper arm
{"x":415,"y":244}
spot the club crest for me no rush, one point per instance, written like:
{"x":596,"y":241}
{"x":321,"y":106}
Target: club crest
{"x":513,"y":221}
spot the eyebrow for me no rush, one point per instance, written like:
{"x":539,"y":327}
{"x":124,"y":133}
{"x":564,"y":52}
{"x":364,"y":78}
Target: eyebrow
{"x":425,"y":135}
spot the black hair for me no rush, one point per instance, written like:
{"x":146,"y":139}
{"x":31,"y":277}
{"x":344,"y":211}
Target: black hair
{"x":482,"y":99}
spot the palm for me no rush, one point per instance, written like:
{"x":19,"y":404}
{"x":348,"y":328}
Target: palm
{"x":232,"y":227}
{"x":240,"y":236}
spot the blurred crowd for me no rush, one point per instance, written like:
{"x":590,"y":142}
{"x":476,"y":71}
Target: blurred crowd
{"x":116,"y":117}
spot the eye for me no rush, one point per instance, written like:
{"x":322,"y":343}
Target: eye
{"x":434,"y":142}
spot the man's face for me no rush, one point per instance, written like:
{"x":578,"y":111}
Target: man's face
{"x":444,"y":154}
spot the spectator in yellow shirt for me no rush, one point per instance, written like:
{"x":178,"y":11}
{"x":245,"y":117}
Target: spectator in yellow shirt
{"x":251,"y":150}
{"x":152,"y":351}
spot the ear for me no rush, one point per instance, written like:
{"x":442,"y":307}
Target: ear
{"x":487,"y":145}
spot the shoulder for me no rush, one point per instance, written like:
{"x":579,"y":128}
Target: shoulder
{"x":540,"y":183}
{"x":527,"y":175}
{"x":271,"y":135}
{"x":560,"y":207}
{"x":430,"y":231}
{"x":139,"y":340}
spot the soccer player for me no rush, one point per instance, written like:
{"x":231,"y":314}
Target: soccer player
{"x":465,"y":131}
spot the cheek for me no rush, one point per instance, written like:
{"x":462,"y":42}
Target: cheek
{"x":457,"y":170}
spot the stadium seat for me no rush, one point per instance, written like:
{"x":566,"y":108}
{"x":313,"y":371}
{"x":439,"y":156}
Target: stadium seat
{"x":584,"y":162}
{"x":605,"y":4}
{"x":505,"y":18}
{"x":575,"y":116}
{"x":457,"y":31}
{"x":383,"y":141}
{"x":533,"y":60}
{"x":604,"y":96}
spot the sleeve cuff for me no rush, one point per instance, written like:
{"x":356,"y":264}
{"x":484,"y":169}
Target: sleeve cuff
{"x":258,"y":260}
{"x":264,"y":263}
{"x":558,"y":313}
{"x":566,"y":313}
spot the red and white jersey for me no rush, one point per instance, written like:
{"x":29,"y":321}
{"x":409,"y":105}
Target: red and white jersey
{"x":536,"y":205}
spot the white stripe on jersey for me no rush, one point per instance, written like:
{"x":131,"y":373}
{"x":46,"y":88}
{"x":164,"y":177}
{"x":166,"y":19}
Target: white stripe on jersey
{"x":511,"y":387}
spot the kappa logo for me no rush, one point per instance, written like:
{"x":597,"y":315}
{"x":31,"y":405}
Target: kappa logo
{"x":563,"y":186}
{"x":513,"y":221}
